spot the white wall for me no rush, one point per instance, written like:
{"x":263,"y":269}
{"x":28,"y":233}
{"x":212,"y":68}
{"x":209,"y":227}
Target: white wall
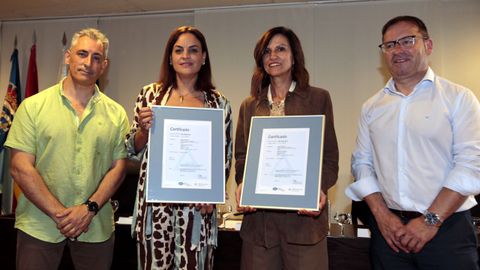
{"x":339,"y":41}
{"x":49,"y":47}
{"x":137,"y":48}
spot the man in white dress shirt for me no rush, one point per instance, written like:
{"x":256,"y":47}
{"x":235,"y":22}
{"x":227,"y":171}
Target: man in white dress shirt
{"x":417,"y":159}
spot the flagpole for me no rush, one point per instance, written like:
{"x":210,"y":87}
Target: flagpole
{"x":62,"y":69}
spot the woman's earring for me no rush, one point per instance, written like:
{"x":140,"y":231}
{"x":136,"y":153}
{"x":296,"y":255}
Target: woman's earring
{"x":170,"y":62}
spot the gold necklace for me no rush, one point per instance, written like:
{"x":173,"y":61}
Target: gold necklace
{"x":182,"y":97}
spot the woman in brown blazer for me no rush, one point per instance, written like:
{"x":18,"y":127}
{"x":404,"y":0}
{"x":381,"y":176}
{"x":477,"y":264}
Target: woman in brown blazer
{"x":274,"y":239}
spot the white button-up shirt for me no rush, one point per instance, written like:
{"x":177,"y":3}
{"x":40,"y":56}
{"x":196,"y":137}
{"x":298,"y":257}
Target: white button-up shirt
{"x":410,"y":147}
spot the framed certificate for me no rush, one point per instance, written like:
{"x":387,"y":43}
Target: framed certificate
{"x":186,"y":156}
{"x":283,"y":166}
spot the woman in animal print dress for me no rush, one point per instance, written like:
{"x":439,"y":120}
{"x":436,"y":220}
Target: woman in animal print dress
{"x":176,"y":236}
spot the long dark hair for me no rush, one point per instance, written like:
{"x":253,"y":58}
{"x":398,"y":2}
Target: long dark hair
{"x":167,"y":73}
{"x":260,"y":78}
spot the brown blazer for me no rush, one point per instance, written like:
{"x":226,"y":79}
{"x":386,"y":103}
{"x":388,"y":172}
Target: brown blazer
{"x":302,"y":229}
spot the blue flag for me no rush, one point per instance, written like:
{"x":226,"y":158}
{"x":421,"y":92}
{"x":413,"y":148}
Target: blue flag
{"x":11,"y":101}
{"x":10,"y":104}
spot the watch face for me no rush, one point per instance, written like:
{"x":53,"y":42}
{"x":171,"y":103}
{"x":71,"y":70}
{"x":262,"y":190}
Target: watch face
{"x":92,"y":206}
{"x":432,"y":219}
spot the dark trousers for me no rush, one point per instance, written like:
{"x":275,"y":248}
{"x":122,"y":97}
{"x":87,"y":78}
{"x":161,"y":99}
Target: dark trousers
{"x":454,"y":247}
{"x":285,"y":256}
{"x":34,"y":254}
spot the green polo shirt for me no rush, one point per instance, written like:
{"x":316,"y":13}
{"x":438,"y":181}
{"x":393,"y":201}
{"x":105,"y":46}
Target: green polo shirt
{"x":72,"y":155}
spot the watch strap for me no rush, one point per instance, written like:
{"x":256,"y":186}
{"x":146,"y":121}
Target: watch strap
{"x":92,"y":206}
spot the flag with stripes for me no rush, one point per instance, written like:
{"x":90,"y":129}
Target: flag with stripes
{"x":10,"y":104}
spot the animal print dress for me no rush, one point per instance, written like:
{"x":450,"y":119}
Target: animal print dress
{"x":173,"y":236}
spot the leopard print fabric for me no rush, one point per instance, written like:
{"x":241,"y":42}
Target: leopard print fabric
{"x":164,"y":231}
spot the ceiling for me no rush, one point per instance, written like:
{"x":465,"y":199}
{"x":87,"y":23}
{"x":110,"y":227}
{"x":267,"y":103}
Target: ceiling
{"x":29,"y":9}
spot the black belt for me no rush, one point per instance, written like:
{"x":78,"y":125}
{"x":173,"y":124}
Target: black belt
{"x":406,"y":214}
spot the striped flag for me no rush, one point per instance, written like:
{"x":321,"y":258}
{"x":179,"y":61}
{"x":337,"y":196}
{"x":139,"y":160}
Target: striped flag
{"x":31,"y":88}
{"x":10,"y":105}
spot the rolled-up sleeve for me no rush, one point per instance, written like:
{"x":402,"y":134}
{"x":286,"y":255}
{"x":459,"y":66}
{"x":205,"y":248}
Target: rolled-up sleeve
{"x":464,"y":177}
{"x":131,"y":154}
{"x":362,"y":165}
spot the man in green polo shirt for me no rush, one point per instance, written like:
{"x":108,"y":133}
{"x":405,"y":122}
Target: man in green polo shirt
{"x":68,"y":157}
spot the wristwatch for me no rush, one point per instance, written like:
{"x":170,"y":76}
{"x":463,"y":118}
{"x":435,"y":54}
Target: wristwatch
{"x":92,"y":206}
{"x":432,"y":219}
